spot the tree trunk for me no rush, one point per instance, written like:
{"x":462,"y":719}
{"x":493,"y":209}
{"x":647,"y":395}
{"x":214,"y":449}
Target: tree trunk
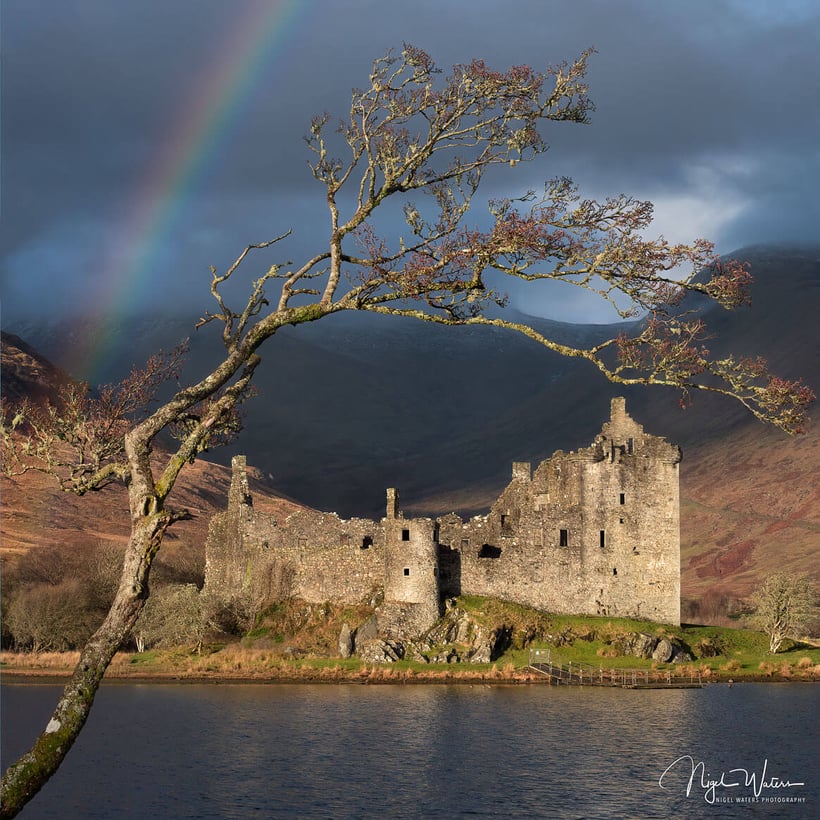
{"x":24,"y":778}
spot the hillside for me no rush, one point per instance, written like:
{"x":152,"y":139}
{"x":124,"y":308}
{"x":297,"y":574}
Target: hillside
{"x":26,"y":374}
{"x":36,"y":514}
{"x":357,"y":403}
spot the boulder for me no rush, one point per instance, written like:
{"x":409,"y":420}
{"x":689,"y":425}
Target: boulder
{"x":346,"y":644}
{"x":638,"y":644}
{"x":482,"y":653}
{"x":379,"y":651}
{"x":446,"y":655}
{"x":663,"y":651}
{"x":368,"y":631}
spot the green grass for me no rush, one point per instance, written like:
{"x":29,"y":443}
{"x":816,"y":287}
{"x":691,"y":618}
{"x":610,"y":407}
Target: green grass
{"x":272,"y":649}
{"x":582,"y":639}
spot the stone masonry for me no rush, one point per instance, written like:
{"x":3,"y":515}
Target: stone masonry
{"x":595,"y":531}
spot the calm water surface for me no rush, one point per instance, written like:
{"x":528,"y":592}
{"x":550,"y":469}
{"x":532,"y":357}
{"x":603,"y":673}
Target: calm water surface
{"x":352,"y":751}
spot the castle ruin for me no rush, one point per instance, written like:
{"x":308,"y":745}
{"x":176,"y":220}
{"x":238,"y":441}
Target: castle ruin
{"x":595,"y":531}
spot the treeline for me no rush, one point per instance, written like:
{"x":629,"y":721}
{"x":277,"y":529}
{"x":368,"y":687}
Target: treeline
{"x":54,"y":598}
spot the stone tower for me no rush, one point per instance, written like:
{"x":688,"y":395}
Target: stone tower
{"x":411,"y":574}
{"x":593,"y":531}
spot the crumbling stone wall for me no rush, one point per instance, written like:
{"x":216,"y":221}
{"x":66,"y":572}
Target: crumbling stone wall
{"x":595,"y":531}
{"x":313,"y":555}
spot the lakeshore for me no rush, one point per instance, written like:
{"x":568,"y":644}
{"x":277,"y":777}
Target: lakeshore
{"x":250,"y":667}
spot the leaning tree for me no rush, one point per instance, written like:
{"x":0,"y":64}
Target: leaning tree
{"x":426,"y":140}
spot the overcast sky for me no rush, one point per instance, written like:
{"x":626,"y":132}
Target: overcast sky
{"x":144,"y":140}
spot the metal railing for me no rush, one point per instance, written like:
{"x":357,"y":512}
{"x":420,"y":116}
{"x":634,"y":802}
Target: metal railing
{"x":544,"y":662}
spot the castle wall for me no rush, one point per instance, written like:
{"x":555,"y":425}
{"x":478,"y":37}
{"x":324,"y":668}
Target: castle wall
{"x":594,"y":531}
{"x":313,"y":555}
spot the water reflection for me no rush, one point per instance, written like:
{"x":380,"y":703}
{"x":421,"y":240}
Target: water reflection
{"x":412,"y":751}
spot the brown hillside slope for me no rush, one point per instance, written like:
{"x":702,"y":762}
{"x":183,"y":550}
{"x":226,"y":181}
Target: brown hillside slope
{"x":35,"y":513}
{"x":750,"y":506}
{"x":25,"y":374}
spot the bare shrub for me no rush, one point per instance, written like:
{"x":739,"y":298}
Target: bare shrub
{"x":173,"y":616}
{"x":690,"y":610}
{"x":44,"y":618}
{"x":43,"y":565}
{"x":100,"y":573}
{"x":182,"y":563}
{"x":234,"y":614}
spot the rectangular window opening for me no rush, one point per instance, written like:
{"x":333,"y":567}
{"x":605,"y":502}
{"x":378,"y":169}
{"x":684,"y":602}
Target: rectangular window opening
{"x":563,"y":538}
{"x":405,"y":536}
{"x":407,"y":570}
{"x":603,"y":539}
{"x":623,"y":498}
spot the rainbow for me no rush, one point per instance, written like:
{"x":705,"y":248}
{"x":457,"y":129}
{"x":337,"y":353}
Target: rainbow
{"x":203,"y":131}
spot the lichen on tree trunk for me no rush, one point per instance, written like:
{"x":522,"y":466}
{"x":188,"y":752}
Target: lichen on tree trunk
{"x":24,"y":778}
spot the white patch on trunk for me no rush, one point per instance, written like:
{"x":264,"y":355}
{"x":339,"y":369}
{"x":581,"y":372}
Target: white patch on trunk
{"x":53,"y":726}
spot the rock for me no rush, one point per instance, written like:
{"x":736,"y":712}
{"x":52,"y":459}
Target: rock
{"x":346,"y":644}
{"x":446,"y":655}
{"x":379,"y":651}
{"x":638,"y":644}
{"x":663,"y":651}
{"x":368,"y":631}
{"x":483,"y":652}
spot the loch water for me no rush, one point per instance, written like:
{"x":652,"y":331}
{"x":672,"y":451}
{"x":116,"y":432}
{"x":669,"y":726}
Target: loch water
{"x":428,"y":751}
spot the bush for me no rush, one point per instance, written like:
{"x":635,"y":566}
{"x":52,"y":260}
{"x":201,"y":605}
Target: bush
{"x":46,"y":618}
{"x":173,"y":616}
{"x":709,"y":647}
{"x":235,"y":614}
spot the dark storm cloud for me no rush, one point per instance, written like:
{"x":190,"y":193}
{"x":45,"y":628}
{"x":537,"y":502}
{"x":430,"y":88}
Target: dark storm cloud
{"x":708,"y":108}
